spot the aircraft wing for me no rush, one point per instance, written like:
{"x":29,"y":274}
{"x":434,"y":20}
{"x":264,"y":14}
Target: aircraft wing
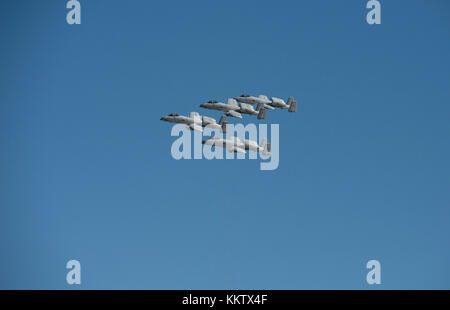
{"x":195,"y":127}
{"x":232,"y":102}
{"x":195,"y":116}
{"x":208,"y":120}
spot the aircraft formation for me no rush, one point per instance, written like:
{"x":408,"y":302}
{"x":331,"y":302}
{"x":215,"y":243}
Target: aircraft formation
{"x":234,"y":107}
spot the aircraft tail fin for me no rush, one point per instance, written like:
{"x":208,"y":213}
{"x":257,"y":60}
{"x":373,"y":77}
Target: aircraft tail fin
{"x":223,"y":123}
{"x":261,"y":111}
{"x":292,"y":104}
{"x":266,"y":147}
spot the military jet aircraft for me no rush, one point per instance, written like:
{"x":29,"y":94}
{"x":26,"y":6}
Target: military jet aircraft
{"x":231,"y":108}
{"x":271,"y":103}
{"x":255,"y":100}
{"x":236,"y":145}
{"x":264,"y":148}
{"x":195,"y":122}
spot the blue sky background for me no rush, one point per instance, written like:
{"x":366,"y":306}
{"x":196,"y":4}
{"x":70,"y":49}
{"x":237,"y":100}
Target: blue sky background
{"x":85,"y":164}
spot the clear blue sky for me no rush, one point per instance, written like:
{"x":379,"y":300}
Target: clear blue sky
{"x":85,"y":164}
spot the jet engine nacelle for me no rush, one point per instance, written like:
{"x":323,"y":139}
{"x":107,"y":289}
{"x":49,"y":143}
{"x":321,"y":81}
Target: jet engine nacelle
{"x":278,"y":101}
{"x":247,"y":107}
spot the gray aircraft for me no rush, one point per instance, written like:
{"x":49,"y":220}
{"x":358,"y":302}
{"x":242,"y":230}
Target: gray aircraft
{"x":271,"y":103}
{"x":196,"y":122}
{"x":255,"y":100}
{"x":236,"y":145}
{"x":231,"y":108}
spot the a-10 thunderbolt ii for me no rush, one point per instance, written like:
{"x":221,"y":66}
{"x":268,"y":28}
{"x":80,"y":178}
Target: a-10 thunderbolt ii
{"x":236,"y":145}
{"x":271,"y":103}
{"x":196,"y":122}
{"x":231,"y":108}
